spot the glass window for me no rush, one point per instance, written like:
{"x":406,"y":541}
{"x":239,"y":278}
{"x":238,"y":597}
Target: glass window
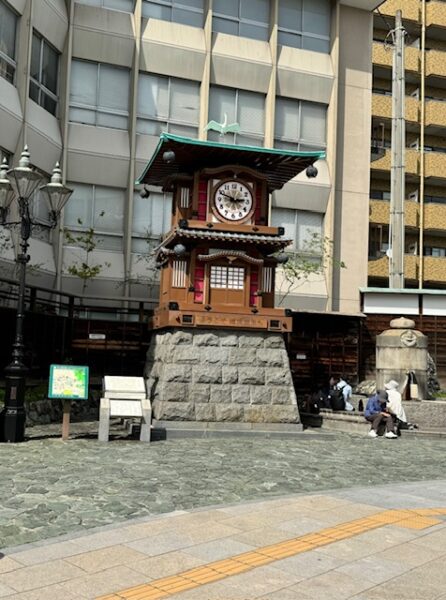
{"x":5,"y":154}
{"x":97,"y":207}
{"x":8,"y":28}
{"x":301,"y":226}
{"x":305,"y":24}
{"x":433,"y":251}
{"x":246,"y":18}
{"x":187,"y":12}
{"x":122,"y":5}
{"x":300,"y":125}
{"x":151,"y":219}
{"x":167,"y":104}
{"x":238,"y":106}
{"x":44,"y":74}
{"x":99,"y":94}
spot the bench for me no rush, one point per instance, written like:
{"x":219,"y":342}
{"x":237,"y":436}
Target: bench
{"x":124,"y":397}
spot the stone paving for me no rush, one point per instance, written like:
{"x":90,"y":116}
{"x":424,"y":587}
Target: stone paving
{"x":348,"y":544}
{"x":49,"y":487}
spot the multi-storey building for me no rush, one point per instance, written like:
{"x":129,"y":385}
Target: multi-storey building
{"x":425,"y":107}
{"x":92,"y":83}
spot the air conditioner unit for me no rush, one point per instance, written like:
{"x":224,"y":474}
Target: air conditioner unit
{"x":413,"y":196}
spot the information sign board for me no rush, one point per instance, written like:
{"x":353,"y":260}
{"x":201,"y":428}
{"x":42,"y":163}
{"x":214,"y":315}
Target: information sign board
{"x":68,"y":382}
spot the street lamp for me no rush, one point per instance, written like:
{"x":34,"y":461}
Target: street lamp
{"x":20,"y":183}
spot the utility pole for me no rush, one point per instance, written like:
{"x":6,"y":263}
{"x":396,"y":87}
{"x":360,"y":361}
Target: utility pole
{"x":397,"y":184}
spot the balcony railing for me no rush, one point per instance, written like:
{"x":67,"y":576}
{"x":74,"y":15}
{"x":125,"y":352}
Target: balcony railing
{"x":380,"y":213}
{"x":382,"y":107}
{"x":435,"y":14}
{"x":380,"y":267}
{"x":382,"y":56}
{"x":412,"y":162}
{"x":410,"y":9}
{"x":436,"y":113}
{"x":435,"y":269}
{"x":435,"y":165}
{"x":435,"y":63}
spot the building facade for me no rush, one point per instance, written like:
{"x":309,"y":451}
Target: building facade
{"x":425,"y":108}
{"x":92,"y":83}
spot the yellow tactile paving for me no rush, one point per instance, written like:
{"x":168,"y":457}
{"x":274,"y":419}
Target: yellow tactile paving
{"x":417,"y":523}
{"x":242,"y":563}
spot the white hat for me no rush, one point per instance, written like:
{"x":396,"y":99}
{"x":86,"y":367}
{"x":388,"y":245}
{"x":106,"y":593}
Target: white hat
{"x":392,"y":385}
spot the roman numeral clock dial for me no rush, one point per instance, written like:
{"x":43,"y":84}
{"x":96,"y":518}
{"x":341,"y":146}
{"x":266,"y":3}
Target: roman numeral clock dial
{"x":233,"y":201}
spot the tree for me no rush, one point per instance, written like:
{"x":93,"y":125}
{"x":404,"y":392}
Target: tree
{"x":314,"y":258}
{"x":88,"y":242}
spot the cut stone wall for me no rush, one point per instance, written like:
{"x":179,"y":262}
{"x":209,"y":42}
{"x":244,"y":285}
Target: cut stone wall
{"x":220,"y":376}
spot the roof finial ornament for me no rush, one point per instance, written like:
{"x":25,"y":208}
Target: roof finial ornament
{"x":223,"y":128}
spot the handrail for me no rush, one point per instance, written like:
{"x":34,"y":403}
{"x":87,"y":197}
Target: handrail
{"x":80,"y":297}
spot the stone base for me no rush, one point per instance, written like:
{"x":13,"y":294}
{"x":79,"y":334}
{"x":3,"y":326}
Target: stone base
{"x":201,"y":429}
{"x":220,"y":376}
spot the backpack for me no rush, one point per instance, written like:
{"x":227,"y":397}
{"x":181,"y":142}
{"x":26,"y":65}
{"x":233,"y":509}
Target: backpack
{"x":336,"y":399}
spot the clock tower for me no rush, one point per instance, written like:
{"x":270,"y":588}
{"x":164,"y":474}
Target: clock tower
{"x":217,"y":353}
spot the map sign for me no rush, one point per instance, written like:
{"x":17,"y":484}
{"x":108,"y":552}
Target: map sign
{"x":68,"y":381}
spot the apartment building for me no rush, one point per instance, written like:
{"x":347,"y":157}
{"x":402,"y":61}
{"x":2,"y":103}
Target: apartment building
{"x":425,"y":107}
{"x":92,"y":84}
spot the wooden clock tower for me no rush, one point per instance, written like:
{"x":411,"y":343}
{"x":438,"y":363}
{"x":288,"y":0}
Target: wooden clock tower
{"x":218,"y":264}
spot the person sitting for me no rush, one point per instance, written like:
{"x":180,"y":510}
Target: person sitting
{"x":347,"y":391}
{"x":376,"y":413}
{"x":395,"y":406}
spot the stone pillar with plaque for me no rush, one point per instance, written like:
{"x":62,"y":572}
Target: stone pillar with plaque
{"x":218,"y":350}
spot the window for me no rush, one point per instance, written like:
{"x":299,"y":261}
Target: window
{"x":379,"y":195}
{"x":122,"y":5}
{"x":8,"y":28}
{"x":305,"y":24}
{"x":378,"y":242}
{"x":301,"y":226}
{"x":300,"y":125}
{"x":5,"y":154}
{"x":151,"y":219}
{"x":435,"y":199}
{"x":167,"y":104}
{"x":100,"y":208}
{"x":437,"y":252}
{"x":188,"y":12}
{"x":433,"y":251}
{"x":231,"y":278}
{"x":246,"y":18}
{"x":44,"y":74}
{"x":99,"y":94}
{"x":245,"y":108}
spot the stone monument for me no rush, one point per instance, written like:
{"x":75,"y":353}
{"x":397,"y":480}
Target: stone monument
{"x":400,"y":351}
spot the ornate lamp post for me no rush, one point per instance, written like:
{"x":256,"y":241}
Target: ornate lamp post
{"x":20,"y":183}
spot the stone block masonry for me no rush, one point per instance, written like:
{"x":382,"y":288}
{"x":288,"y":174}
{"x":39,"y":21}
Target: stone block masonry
{"x":212,"y":376}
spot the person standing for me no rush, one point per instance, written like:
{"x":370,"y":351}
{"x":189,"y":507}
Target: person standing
{"x":376,"y":413}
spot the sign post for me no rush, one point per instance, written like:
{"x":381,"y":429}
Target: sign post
{"x":68,"y":382}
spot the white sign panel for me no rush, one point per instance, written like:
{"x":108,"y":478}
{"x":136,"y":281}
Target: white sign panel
{"x":434,"y":305}
{"x":391,"y":304}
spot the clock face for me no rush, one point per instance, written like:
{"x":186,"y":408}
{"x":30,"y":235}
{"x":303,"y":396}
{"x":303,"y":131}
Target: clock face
{"x":233,"y":201}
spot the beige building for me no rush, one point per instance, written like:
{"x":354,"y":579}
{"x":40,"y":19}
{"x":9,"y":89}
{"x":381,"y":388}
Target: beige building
{"x":425,"y":205}
{"x":92,"y":83}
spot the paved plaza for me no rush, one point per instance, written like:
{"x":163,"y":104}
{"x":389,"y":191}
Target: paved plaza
{"x":318,"y":516}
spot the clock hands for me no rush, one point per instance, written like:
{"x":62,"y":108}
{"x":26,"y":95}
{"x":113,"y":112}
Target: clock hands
{"x":232,"y":197}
